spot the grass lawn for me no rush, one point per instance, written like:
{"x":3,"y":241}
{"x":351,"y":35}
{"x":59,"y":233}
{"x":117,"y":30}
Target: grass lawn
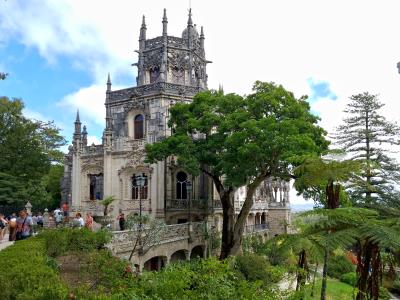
{"x":336,"y":290}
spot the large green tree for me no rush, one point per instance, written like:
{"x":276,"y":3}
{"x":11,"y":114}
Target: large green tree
{"x":368,"y":137}
{"x":241,"y":141}
{"x":28,"y":149}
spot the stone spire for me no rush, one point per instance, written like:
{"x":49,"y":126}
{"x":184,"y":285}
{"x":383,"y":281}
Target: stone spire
{"x":84,"y":136}
{"x":165,"y":22}
{"x":77,"y":124}
{"x":108,"y":83}
{"x":202,"y":38}
{"x":143,"y":29}
{"x":190,"y":21}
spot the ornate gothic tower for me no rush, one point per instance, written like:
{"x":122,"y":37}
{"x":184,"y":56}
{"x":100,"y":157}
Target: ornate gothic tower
{"x":171,"y":59}
{"x":170,"y":70}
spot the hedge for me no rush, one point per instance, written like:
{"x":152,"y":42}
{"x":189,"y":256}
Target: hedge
{"x":28,"y":273}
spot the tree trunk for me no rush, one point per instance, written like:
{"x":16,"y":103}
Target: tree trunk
{"x":233,"y":228}
{"x":324,"y":274}
{"x":302,"y":269}
{"x":332,"y":195}
{"x":228,"y":225}
{"x":369,"y":270}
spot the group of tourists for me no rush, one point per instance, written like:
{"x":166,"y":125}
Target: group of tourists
{"x":21,"y":227}
{"x":24,"y":225}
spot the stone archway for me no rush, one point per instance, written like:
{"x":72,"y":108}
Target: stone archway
{"x":155,"y":263}
{"x":197,"y":252}
{"x":179,"y":255}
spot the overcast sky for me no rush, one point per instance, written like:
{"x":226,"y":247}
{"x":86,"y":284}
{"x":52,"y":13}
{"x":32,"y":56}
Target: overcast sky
{"x":58,"y":52}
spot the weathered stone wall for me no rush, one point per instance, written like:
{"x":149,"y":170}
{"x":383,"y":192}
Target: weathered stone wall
{"x":278,"y":219}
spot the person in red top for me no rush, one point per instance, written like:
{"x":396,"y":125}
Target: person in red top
{"x":65,"y":209}
{"x":89,"y":221}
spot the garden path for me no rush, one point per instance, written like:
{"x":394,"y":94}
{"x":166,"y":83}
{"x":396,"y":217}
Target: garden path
{"x":5,"y":243}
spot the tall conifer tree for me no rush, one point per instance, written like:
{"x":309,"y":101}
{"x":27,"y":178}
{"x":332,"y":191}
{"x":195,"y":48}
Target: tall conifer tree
{"x":368,"y":137}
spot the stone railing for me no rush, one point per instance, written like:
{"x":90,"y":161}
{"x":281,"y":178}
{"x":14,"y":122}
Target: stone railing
{"x":154,"y":43}
{"x":176,"y":42}
{"x":148,"y":89}
{"x":257,"y":228}
{"x":124,"y":240}
{"x":183,"y":204}
{"x":93,"y":150}
{"x":127,"y":144}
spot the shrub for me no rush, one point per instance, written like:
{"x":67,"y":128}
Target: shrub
{"x":349,"y":278}
{"x":254,"y":267}
{"x":338,"y":265}
{"x":396,"y":286}
{"x":61,"y":240}
{"x":26,"y":273}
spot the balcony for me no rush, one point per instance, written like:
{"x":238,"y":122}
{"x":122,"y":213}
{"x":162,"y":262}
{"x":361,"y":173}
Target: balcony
{"x":257,"y":228}
{"x":183,"y":204}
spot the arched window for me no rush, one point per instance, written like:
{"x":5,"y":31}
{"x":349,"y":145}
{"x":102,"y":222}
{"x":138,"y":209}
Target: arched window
{"x":139,"y":127}
{"x":181,"y":188}
{"x":136,"y":188}
{"x":95,"y":186}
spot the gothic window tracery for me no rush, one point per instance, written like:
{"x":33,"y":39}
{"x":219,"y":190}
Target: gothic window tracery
{"x":136,"y":188}
{"x":178,"y":75}
{"x":181,"y":185}
{"x":139,"y":127}
{"x":154,"y":73}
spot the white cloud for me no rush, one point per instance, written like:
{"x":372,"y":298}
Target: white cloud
{"x":92,"y":139}
{"x":89,"y":101}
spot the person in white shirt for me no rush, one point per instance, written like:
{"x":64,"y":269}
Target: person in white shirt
{"x":78,"y":221}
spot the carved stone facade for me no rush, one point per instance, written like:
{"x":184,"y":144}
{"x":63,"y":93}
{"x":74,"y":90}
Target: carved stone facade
{"x":170,"y":70}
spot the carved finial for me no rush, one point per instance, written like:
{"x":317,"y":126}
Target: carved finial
{"x":77,"y":119}
{"x":143,"y":29}
{"x":190,"y":21}
{"x":201,"y":33}
{"x":165,"y":15}
{"x":165,"y":22}
{"x":84,"y":130}
{"x":144,"y":22}
{"x":108,"y":83}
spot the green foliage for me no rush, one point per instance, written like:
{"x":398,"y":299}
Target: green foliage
{"x":26,"y":273}
{"x":316,"y":174}
{"x":396,"y":286}
{"x":51,"y":182}
{"x":339,"y":265}
{"x":61,"y":240}
{"x":106,"y":202}
{"x":369,"y":138}
{"x":199,"y":279}
{"x":349,"y":278}
{"x":109,"y":274}
{"x":255,"y":267}
{"x":243,"y":140}
{"x":28,"y":149}
{"x":3,"y":75}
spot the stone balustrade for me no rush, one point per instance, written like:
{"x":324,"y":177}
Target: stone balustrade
{"x":123,"y":241}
